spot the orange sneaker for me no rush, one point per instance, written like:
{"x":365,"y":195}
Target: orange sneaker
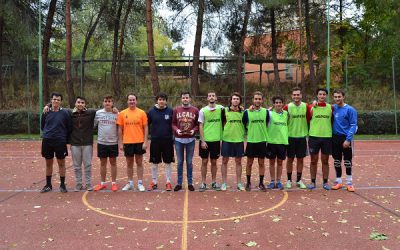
{"x":152,"y":186}
{"x":168,"y":186}
{"x":114,"y":187}
{"x":99,"y":187}
{"x":350,"y":188}
{"x":337,"y":186}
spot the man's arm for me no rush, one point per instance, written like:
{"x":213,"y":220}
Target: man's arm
{"x":353,"y":124}
{"x":146,"y":135}
{"x":120,"y":137}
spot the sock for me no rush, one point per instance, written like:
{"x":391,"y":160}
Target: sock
{"x":289,"y":176}
{"x":248,"y":178}
{"x":168,"y":172}
{"x":325,"y":181}
{"x":103,"y":183}
{"x":298,"y":176}
{"x":154,"y":172}
{"x":349,"y":179}
{"x":140,"y":182}
{"x":48,"y":181}
{"x":261,"y":179}
{"x":113,"y":182}
{"x":272,"y":181}
{"x":338,"y":180}
{"x":313,"y":180}
{"x":130,"y":182}
{"x":62,"y":180}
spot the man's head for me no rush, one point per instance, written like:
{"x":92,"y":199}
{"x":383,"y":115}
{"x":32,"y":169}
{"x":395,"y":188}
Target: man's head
{"x":211,"y":97}
{"x":131,"y":100}
{"x":258,"y":99}
{"x":235,"y":100}
{"x":186,"y":98}
{"x":277,"y":102}
{"x":56,"y":99}
{"x":321,"y":94}
{"x":338,"y":97}
{"x":296,"y":95}
{"x":161,"y":99}
{"x":80,"y":103}
{"x":108,"y":102}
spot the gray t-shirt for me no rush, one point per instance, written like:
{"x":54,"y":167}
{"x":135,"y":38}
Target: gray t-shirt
{"x":108,"y":130}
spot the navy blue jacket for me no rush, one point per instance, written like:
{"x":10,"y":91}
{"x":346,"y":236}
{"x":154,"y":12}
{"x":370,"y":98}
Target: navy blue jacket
{"x":57,"y":125}
{"x":160,"y":122}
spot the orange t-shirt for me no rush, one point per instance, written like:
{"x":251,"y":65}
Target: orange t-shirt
{"x":133,"y":123}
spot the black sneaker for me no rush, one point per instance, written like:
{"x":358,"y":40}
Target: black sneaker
{"x":262,"y":188}
{"x":248,"y":186}
{"x":191,"y":187}
{"x":63,"y":189}
{"x":46,"y":189}
{"x":177,"y":188}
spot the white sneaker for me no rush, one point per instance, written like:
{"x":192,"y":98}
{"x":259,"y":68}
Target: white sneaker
{"x":141,"y":187}
{"x":223,"y":187}
{"x":127,"y":187}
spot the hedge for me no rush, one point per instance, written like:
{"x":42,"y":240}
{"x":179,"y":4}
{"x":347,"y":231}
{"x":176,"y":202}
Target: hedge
{"x":374,"y":122}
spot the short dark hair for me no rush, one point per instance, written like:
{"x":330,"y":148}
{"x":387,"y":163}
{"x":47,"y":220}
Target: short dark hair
{"x":108,"y":97}
{"x":56,"y":94}
{"x":127,"y":96}
{"x":339,"y":91}
{"x":186,"y":93}
{"x":235,"y":94}
{"x":296,"y":89}
{"x":161,"y":95}
{"x":321,"y":89}
{"x":80,"y":97}
{"x":274,"y":98}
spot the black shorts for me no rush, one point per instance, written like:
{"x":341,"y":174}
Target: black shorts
{"x":213,"y":150}
{"x":134,"y":149}
{"x":297,"y":148}
{"x":104,"y":151}
{"x":51,"y":147}
{"x":232,"y":149}
{"x":276,"y":151}
{"x":338,"y":152}
{"x":320,"y":143}
{"x":256,"y":149}
{"x":162,"y":149}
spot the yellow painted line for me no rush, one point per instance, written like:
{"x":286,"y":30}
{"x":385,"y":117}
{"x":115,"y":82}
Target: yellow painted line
{"x":185,"y":220}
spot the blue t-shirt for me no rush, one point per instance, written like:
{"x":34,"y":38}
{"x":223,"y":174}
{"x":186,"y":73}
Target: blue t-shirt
{"x":344,"y":121}
{"x":160,"y":122}
{"x":57,"y":125}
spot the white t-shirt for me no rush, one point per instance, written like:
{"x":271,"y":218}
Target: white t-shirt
{"x":108,"y":129}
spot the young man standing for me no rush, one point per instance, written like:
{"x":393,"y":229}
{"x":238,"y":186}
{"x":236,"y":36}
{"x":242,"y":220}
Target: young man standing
{"x":232,"y":140}
{"x":162,"y":144}
{"x":277,"y":141}
{"x":184,"y":126}
{"x":107,"y":142}
{"x":210,"y":124}
{"x":132,"y":136}
{"x":299,"y":113}
{"x":256,"y":121}
{"x":320,"y":138}
{"x":56,"y":126}
{"x":344,"y":128}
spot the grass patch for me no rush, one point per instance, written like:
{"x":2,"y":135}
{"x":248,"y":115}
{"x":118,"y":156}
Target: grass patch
{"x":20,"y":137}
{"x":377,"y":137}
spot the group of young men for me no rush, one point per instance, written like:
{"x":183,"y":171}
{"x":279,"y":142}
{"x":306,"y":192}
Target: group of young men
{"x":276,"y":133}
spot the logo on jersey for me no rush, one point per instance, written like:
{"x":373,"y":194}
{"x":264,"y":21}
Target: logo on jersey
{"x":166,"y":117}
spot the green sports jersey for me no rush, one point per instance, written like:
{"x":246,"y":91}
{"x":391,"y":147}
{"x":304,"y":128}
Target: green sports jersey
{"x":212,"y":126}
{"x":234,"y":128}
{"x":278,"y":128}
{"x":298,"y":126}
{"x":321,"y":122}
{"x":257,"y":126}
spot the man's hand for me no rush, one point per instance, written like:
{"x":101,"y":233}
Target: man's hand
{"x":204,"y":145}
{"x":115,"y":110}
{"x":46,"y":109}
{"x":179,"y":132}
{"x":346,"y":144}
{"x":144,"y":146}
{"x":191,"y":132}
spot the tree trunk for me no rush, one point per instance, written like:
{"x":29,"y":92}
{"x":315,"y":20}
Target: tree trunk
{"x":309,"y":44}
{"x":114,"y":78}
{"x":46,"y":47}
{"x":341,"y":34}
{"x":2,"y":100}
{"x":274,"y":53}
{"x":239,"y":63}
{"x":196,"y":51}
{"x":68,"y":52}
{"x":121,"y":39}
{"x":301,"y":43}
{"x":150,"y":49}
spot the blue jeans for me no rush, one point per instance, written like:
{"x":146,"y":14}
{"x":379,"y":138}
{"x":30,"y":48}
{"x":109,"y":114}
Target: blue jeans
{"x":180,"y":148}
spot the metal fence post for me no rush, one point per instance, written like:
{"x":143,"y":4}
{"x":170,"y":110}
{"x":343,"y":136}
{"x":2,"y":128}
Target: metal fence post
{"x":394,"y":95}
{"x":346,"y":72}
{"x":28,"y":98}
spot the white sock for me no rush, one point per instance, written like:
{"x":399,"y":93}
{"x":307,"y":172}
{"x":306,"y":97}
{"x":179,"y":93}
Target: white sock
{"x":130,"y":182}
{"x":103,"y":183}
{"x":140,"y":182}
{"x":349,"y":179}
{"x":154,"y":172}
{"x":113,"y":182}
{"x":338,"y":180}
{"x":168,"y":171}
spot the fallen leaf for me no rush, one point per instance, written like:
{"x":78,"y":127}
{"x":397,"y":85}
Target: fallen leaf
{"x":37,"y":207}
{"x":144,"y":229}
{"x":236,"y":220}
{"x":325,"y":234}
{"x":377,"y":236}
{"x":120,"y":228}
{"x":50,"y":239}
{"x":342,"y":221}
{"x":160,"y":247}
{"x":251,"y":244}
{"x":146,"y":208}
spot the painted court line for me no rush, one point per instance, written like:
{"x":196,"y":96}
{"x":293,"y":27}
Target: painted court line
{"x":185,"y":220}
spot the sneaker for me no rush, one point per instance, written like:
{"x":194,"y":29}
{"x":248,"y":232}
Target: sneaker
{"x":78,"y":187}
{"x":202,"y":187}
{"x":153,"y":186}
{"x":271,"y":185}
{"x":89,"y":187}
{"x":177,"y":188}
{"x":114,"y":187}
{"x":215,"y":186}
{"x":279,"y":185}
{"x":224,"y":187}
{"x":326,"y":186}
{"x":46,"y":189}
{"x":127,"y":187}
{"x":191,"y":187}
{"x":288,"y":184}
{"x":301,"y":185}
{"x":248,"y":187}
{"x":240,"y":187}
{"x":262,"y":188}
{"x":141,"y":188}
{"x":168,"y":186}
{"x":311,"y":186}
{"x":99,"y":187}
{"x":350,"y":187}
{"x":63,"y":189}
{"x":337,"y":186}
